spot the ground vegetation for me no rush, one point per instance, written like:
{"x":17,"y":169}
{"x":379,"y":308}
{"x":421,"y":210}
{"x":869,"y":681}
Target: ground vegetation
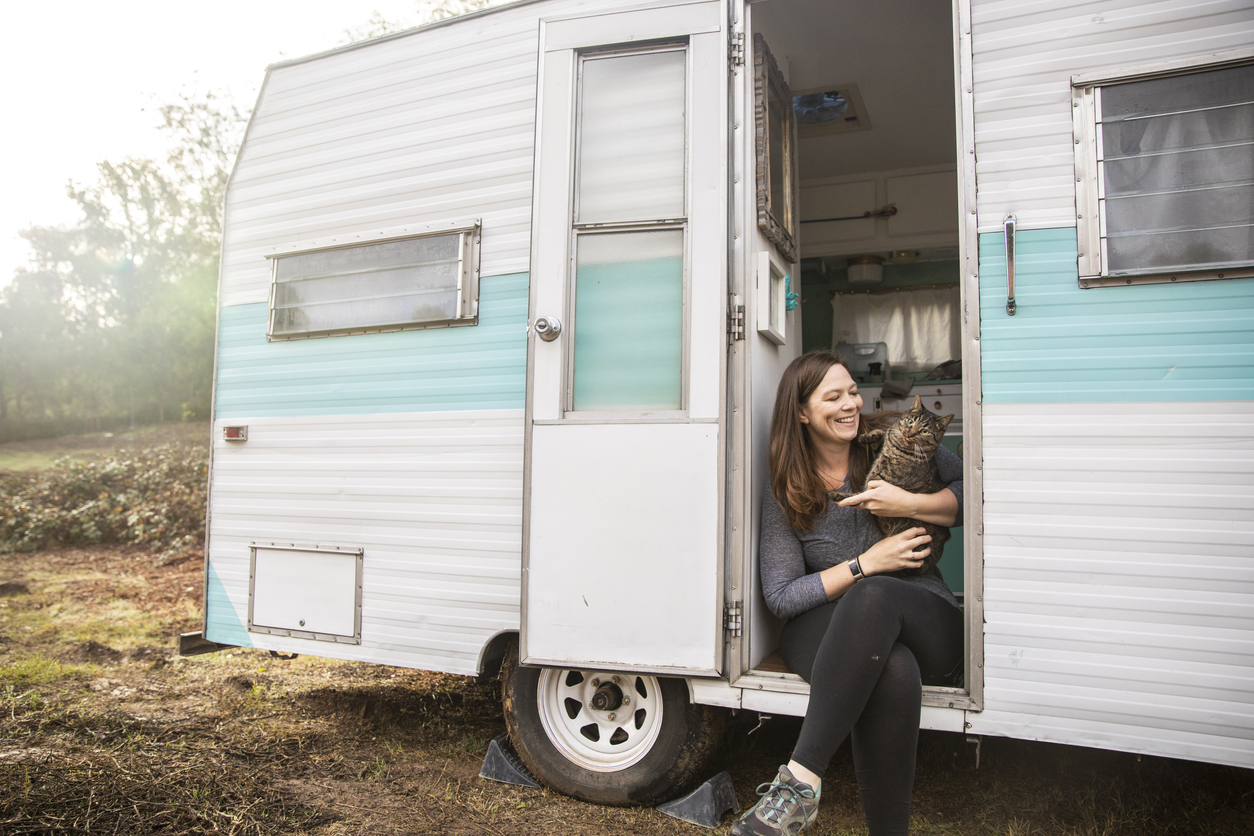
{"x":105,"y":729}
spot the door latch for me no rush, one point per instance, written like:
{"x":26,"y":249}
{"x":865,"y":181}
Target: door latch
{"x":547,"y":328}
{"x":733,"y":619}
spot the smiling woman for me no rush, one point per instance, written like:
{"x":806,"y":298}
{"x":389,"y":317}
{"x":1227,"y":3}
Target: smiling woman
{"x":866,"y":627}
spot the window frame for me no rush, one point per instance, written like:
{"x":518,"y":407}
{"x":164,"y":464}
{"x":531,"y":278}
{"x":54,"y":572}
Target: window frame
{"x":772,"y":299}
{"x":470,"y":232}
{"x":1094,"y":271}
{"x":579,"y":228}
{"x":780,"y":224}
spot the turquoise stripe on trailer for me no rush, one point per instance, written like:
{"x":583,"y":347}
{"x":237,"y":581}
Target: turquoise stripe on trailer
{"x":1188,"y":341}
{"x":468,"y":367}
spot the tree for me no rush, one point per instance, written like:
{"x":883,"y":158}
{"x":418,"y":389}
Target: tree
{"x":115,"y":315}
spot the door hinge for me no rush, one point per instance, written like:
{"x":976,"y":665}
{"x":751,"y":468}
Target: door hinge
{"x":736,"y":50}
{"x":736,"y":319}
{"x":733,"y":619}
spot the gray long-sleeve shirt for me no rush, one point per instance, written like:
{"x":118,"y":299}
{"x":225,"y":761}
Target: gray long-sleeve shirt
{"x":789,"y":561}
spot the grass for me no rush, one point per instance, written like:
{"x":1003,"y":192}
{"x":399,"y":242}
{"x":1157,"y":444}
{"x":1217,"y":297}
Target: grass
{"x":26,"y":460}
{"x":76,"y":608}
{"x":33,"y":669}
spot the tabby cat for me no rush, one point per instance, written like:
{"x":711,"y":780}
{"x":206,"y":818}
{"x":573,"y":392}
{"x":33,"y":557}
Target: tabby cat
{"x":907,"y":459}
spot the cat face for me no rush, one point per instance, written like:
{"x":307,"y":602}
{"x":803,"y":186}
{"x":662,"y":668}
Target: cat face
{"x":919,"y":428}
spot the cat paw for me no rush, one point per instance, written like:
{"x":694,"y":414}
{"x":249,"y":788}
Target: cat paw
{"x":871,"y":437}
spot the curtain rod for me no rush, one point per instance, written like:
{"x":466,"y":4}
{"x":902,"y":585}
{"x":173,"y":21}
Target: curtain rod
{"x":886,"y":212}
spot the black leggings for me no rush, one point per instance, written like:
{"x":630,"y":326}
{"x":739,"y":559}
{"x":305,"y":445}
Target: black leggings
{"x":866,"y":656}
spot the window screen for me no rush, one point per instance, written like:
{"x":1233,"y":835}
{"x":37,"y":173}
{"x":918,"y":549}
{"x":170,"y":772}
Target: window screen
{"x":391,"y":285}
{"x":1175,"y":171}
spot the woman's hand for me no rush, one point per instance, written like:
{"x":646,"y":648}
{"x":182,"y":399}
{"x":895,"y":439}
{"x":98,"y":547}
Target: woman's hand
{"x":897,"y":552}
{"x":884,"y":499}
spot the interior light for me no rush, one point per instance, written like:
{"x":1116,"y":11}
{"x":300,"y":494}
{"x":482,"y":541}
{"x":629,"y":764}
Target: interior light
{"x":866,"y":269}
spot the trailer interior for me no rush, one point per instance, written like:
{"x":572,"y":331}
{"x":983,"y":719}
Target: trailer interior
{"x":878,"y":238}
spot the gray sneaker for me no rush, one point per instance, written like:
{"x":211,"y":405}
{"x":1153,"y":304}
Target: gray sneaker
{"x":787,"y":807}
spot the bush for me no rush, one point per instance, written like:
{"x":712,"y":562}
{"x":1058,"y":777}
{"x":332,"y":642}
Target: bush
{"x":154,"y":497}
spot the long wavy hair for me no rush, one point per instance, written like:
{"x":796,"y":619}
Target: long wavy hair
{"x":795,"y":479}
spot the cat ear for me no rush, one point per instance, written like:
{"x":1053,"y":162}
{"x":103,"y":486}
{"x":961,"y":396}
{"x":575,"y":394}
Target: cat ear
{"x":943,"y":423}
{"x":917,"y":406}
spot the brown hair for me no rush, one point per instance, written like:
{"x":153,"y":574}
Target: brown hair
{"x":795,"y":479}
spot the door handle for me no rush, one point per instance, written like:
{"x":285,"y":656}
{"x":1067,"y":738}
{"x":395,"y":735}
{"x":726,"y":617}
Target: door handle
{"x":1008,"y":223}
{"x":547,"y":328}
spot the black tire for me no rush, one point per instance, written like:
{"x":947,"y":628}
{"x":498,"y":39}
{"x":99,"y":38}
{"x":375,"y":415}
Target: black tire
{"x":686,"y":741}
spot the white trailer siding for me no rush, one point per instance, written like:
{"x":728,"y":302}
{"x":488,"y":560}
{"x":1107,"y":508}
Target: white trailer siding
{"x":434,"y":499}
{"x":421,"y":128}
{"x":406,"y":445}
{"x":1025,"y":54}
{"x":1118,"y":576}
{"x":1118,"y":424}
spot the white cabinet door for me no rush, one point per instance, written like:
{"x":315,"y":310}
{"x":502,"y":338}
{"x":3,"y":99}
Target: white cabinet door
{"x":623,"y":500}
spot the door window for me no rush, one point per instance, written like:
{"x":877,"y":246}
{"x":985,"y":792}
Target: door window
{"x":629,"y":227}
{"x":629,"y":289}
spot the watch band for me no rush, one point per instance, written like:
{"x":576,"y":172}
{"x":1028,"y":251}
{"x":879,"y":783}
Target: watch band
{"x":856,"y":569}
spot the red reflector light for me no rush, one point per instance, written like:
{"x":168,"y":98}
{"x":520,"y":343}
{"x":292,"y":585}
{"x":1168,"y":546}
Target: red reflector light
{"x":235,"y":433}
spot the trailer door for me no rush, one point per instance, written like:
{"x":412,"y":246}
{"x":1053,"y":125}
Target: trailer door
{"x":623,"y":490}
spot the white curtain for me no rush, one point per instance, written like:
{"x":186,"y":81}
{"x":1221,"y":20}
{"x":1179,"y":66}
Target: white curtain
{"x":921,"y":326}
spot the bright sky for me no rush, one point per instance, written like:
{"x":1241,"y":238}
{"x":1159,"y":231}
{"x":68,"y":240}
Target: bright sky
{"x":82,"y":81}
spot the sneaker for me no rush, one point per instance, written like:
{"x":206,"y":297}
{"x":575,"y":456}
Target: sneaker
{"x":787,"y":807}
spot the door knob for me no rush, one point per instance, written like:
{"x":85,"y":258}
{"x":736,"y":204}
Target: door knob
{"x":548,"y":327}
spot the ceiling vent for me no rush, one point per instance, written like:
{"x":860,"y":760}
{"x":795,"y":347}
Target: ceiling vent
{"x":833,"y":109}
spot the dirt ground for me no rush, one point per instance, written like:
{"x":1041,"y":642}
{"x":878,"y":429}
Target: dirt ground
{"x":104,"y":729}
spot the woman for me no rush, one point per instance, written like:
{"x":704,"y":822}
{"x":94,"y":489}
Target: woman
{"x":863,"y":637}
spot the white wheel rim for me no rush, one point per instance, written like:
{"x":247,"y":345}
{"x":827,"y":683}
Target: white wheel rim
{"x":606,"y":740}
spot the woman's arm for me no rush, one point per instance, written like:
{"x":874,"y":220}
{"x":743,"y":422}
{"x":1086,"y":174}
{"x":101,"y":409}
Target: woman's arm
{"x":788,"y":589}
{"x":886,"y":500}
{"x":941,"y":508}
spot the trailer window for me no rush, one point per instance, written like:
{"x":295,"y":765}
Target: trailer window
{"x":398,"y":284}
{"x":1165,"y":176}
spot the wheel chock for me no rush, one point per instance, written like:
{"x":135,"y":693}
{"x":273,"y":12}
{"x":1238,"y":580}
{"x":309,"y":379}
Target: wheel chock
{"x":706,"y":805}
{"x":502,"y":765}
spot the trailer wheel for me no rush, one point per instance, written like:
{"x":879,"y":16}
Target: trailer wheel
{"x":606,"y":736}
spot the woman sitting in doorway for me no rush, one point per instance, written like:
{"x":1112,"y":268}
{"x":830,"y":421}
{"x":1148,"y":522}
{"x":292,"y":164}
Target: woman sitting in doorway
{"x":863,"y":637}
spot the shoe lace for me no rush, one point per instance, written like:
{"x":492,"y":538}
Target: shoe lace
{"x":779,"y":798}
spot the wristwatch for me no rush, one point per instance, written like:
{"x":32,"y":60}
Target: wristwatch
{"x":855,"y":569}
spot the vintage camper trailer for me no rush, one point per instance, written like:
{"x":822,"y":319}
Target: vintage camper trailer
{"x":504,"y":301}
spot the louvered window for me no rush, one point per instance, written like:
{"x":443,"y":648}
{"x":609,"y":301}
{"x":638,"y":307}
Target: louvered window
{"x":390,"y":285}
{"x":1165,"y":176}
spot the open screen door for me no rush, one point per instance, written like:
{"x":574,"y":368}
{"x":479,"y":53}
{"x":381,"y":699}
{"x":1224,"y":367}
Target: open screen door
{"x":623,"y":482}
